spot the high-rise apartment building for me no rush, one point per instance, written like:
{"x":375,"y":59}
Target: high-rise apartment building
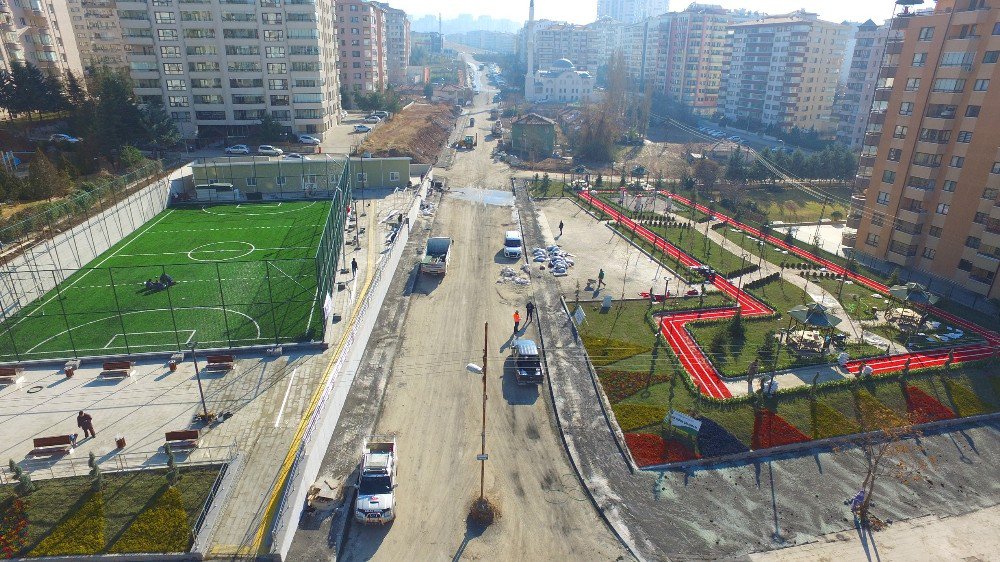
{"x":631,"y":11}
{"x":39,"y":33}
{"x":361,"y":32}
{"x":641,"y":43}
{"x":929,"y":179}
{"x":98,"y":34}
{"x":853,"y":106}
{"x":219,"y":65}
{"x":691,"y":55}
{"x":397,"y":42}
{"x":588,"y":46}
{"x":430,"y":42}
{"x":783,"y":71}
{"x":493,"y":41}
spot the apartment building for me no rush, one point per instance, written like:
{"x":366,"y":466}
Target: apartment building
{"x":631,"y":11}
{"x":856,"y":101}
{"x":219,"y":65}
{"x":98,"y":34}
{"x":493,"y":41}
{"x":783,"y":71}
{"x":929,"y":179}
{"x":361,"y":28}
{"x":588,"y":46}
{"x":397,"y":43}
{"x":39,"y":33}
{"x":640,"y":45}
{"x":431,"y":42}
{"x":692,"y":54}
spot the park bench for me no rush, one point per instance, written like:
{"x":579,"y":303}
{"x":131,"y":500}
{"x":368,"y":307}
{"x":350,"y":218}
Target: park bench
{"x":117,"y":370}
{"x":219,"y":363}
{"x":57,"y":445}
{"x":11,"y":374}
{"x":183,"y":439}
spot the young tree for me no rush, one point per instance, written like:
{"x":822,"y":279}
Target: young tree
{"x":546,"y":181}
{"x":599,"y":182}
{"x":707,"y":172}
{"x":44,"y":180}
{"x":428,"y":91}
{"x":131,"y":157}
{"x":161,"y":131}
{"x":269,"y":129}
{"x":11,"y":187}
{"x":54,"y":93}
{"x":172,"y":475}
{"x":75,"y":92}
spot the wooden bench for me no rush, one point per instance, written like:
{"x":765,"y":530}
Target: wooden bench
{"x":219,"y":363}
{"x":58,"y":445}
{"x":11,"y":374}
{"x":184,"y":439}
{"x":117,"y":369}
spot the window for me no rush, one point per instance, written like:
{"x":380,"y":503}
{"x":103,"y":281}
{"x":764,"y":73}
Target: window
{"x":208,"y":99}
{"x":210,"y":115}
{"x":949,"y":85}
{"x":308,"y":98}
{"x":980,"y":218}
{"x":912,"y":84}
{"x":239,"y":33}
{"x":894,"y":154}
{"x":277,"y":68}
{"x":246,"y":83}
{"x":939,"y":136}
{"x":362,"y":177}
{"x":906,"y":108}
{"x":143,"y":66}
{"x":206,"y":82}
{"x":242,"y":50}
{"x":949,"y":185}
{"x":244,"y":66}
{"x":878,"y":219}
{"x":990,"y":57}
{"x":981,"y":85}
{"x":308,"y":113}
{"x":900,"y":132}
{"x":964,"y":136}
{"x":131,"y":15}
{"x":281,"y":114}
{"x":926,"y":34}
{"x":170,"y":52}
{"x":280,"y":100}
{"x":173,"y":68}
{"x":183,"y":116}
{"x":996,"y":28}
{"x":965,"y":265}
{"x":888,"y":176}
{"x":176,"y":85}
{"x":308,"y":17}
{"x":871,"y":239}
{"x":276,"y":84}
{"x":972,"y":111}
{"x":202,"y":50}
{"x":393,"y":176}
{"x":239,"y":16}
{"x":926,"y":159}
{"x":271,"y":18}
{"x":177,"y":101}
{"x":934,"y":231}
{"x":883,"y":198}
{"x":274,"y":52}
{"x":305,"y":67}
{"x":203,"y":66}
{"x":164,"y":17}
{"x":957,"y":161}
{"x":972,"y":242}
{"x":919,"y":59}
{"x":247,"y":99}
{"x":929,"y":253}
{"x":303,"y":33}
{"x":280,"y":180}
{"x":272,"y":35}
{"x":146,"y":83}
{"x":196,"y":16}
{"x":200,"y":33}
{"x":943,"y":208}
{"x":252,"y":182}
{"x":303,"y":49}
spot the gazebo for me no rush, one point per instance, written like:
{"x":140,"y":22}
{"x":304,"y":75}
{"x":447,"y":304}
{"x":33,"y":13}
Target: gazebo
{"x":815,"y":319}
{"x":915,"y":294}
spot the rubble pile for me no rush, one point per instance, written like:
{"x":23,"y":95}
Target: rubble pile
{"x":558,"y":260}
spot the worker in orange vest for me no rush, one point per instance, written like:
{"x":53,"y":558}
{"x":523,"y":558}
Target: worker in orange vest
{"x":517,"y":320}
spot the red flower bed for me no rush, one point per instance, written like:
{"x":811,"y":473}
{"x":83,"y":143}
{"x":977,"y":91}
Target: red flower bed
{"x":771,"y":430}
{"x":13,"y":529}
{"x":924,"y":408}
{"x":648,"y":449}
{"x":619,"y":385}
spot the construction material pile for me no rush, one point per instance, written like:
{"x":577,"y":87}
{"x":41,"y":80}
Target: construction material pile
{"x":509,"y":275}
{"x":558,"y":260}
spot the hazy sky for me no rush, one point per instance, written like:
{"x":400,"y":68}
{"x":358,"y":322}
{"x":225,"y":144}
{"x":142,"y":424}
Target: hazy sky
{"x":584,"y":11}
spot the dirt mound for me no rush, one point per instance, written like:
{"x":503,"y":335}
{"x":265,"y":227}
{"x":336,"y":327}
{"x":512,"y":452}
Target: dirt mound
{"x":418,"y":131}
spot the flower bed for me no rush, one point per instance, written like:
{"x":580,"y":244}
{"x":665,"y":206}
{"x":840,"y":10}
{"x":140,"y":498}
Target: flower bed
{"x":874,"y":414}
{"x":648,"y":449}
{"x":619,"y":385}
{"x":605,"y":351}
{"x":161,"y":528}
{"x":771,"y":430}
{"x":831,"y":423}
{"x":633,"y":416}
{"x":966,"y":402}
{"x":715,"y":441}
{"x":13,"y":529}
{"x":80,"y":533}
{"x":923,"y":408}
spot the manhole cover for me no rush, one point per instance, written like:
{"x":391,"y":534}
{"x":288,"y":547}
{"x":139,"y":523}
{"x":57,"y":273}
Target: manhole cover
{"x":34,"y":389}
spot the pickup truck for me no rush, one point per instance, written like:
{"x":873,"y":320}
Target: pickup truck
{"x":435,"y":260}
{"x":376,"y":500}
{"x":527,"y":363}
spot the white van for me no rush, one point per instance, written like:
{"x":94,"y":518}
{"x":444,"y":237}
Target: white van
{"x":512,"y":244}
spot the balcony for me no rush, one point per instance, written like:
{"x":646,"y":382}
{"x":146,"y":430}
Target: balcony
{"x":916,"y":193}
{"x":899,"y":259}
{"x":904,"y":237}
{"x":862,"y":182}
{"x":867,"y":160}
{"x":912,"y":216}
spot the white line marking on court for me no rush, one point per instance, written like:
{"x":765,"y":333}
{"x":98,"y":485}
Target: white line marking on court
{"x":205,"y":209}
{"x":116,"y":336}
{"x":220,"y":251}
{"x":250,"y":248}
{"x":281,"y":410}
{"x":92,"y":268}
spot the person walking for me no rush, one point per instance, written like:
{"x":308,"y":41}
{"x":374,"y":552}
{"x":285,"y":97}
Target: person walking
{"x":517,"y":321}
{"x":354,"y":268}
{"x":560,"y":228}
{"x":86,"y":423}
{"x":530,"y":308}
{"x":600,"y":278}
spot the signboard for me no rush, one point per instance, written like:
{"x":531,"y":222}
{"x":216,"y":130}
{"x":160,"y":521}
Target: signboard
{"x":482,"y":457}
{"x":606,"y":303}
{"x":683,"y":422}
{"x":327,"y":307}
{"x":579,"y":315}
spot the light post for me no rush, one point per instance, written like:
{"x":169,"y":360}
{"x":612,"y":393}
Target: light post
{"x":206,"y":416}
{"x":739,"y":286}
{"x":482,"y":457}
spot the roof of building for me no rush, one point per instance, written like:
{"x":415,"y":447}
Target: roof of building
{"x":534,"y":119}
{"x":564,"y":64}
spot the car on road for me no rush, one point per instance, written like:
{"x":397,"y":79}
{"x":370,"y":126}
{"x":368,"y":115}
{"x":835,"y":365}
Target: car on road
{"x":269,"y":150}
{"x":373,"y":119}
{"x":527,"y":364}
{"x":381,"y":114}
{"x":238,"y":149}
{"x":362,"y":129}
{"x":293,"y":156}
{"x":60,"y":137}
{"x":736,"y":139}
{"x":376,"y":498}
{"x":306,"y":139}
{"x":512,"y":244}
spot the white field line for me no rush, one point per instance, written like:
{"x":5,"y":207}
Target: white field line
{"x":217,"y":251}
{"x":281,"y":409}
{"x":116,"y":336}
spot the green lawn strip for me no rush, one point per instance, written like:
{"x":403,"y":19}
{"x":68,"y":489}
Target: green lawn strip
{"x":694,"y":243}
{"x":814,"y":417}
{"x":752,"y":246}
{"x":81,"y":532}
{"x":161,"y":527}
{"x":554,"y":189}
{"x":875,"y":414}
{"x":795,"y":205}
{"x":633,"y":416}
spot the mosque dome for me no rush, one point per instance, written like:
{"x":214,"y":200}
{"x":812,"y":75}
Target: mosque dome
{"x":563,"y":64}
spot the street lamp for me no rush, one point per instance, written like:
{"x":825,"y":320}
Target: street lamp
{"x":739,"y":286}
{"x":482,"y":457}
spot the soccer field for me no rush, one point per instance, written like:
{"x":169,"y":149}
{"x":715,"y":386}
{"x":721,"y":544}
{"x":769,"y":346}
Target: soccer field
{"x":244,"y":275}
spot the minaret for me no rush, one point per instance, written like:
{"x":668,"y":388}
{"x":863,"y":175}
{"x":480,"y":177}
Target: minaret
{"x":529,"y":78}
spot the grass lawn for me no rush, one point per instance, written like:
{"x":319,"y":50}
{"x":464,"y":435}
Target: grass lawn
{"x":554,"y":189}
{"x":256,"y":262}
{"x":65,"y":517}
{"x":795,"y":205}
{"x":752,"y":246}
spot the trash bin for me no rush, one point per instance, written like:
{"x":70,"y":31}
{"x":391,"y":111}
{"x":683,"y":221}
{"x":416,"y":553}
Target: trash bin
{"x":120,"y":442}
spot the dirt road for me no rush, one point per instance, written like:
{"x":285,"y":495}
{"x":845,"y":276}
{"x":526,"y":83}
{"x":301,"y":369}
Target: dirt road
{"x":433,"y":406}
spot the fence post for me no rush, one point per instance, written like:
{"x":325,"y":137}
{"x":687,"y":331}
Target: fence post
{"x":173,"y":318}
{"x":3,"y":312}
{"x":62,"y":307}
{"x":225,"y":317}
{"x":118,"y":306}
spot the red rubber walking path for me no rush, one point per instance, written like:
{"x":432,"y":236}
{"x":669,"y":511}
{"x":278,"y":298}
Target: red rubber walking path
{"x":697,"y":364}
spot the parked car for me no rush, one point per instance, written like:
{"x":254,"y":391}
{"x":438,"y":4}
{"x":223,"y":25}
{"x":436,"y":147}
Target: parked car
{"x":306,"y":139}
{"x":60,"y":137}
{"x":381,"y":114}
{"x":238,"y":149}
{"x":527,"y":364}
{"x":512,"y":244}
{"x":269,"y":150}
{"x":362,"y":129}
{"x":293,"y":156}
{"x":373,"y":119}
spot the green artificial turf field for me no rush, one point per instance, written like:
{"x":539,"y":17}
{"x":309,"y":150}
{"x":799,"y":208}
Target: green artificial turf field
{"x":245,"y":274}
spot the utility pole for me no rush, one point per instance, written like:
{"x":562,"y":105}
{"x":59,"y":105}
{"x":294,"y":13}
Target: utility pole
{"x":482,"y":462}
